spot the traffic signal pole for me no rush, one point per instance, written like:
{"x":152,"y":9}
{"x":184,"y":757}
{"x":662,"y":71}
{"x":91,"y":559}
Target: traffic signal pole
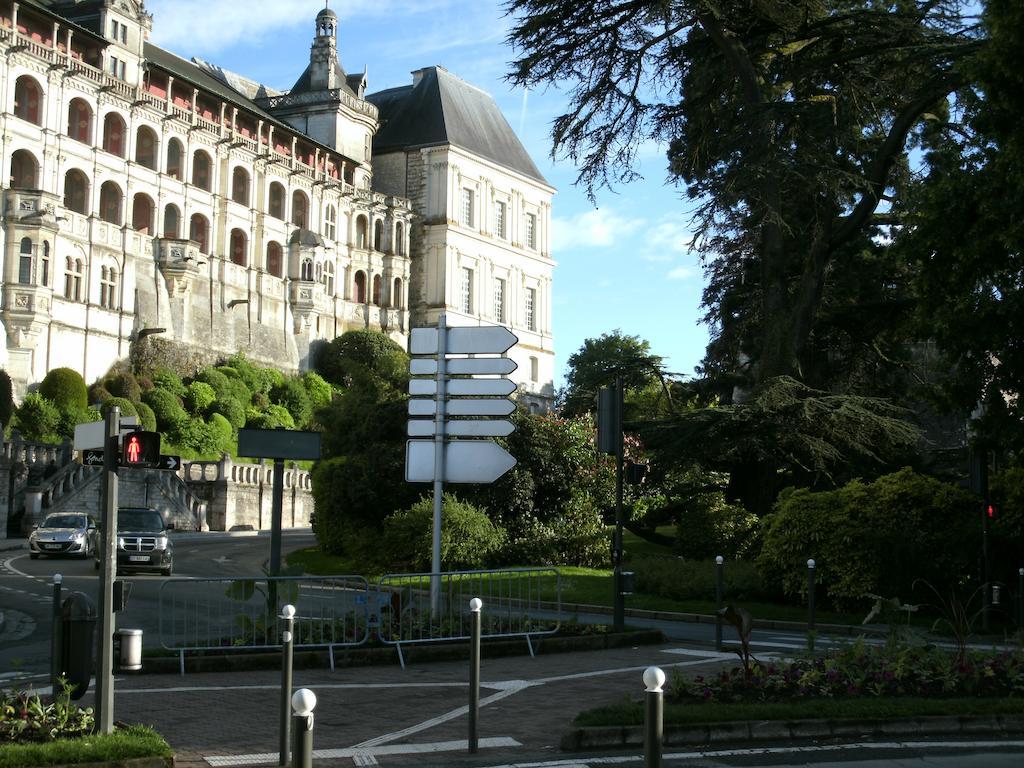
{"x":619,"y":606}
{"x":108,"y":565}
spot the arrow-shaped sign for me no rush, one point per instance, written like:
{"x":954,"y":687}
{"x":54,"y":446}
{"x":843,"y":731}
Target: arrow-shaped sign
{"x":463,"y":428}
{"x":468,"y":366}
{"x":465,"y":407}
{"x":468,"y":340}
{"x":467,"y":461}
{"x":172,"y":463}
{"x":91,"y":458}
{"x":461,"y":387}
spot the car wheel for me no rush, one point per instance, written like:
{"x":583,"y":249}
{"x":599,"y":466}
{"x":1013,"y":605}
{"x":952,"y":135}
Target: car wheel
{"x":166,"y":571}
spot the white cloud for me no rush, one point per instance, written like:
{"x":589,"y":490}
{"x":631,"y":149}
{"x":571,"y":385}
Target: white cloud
{"x":601,"y":228}
{"x":680,"y":273}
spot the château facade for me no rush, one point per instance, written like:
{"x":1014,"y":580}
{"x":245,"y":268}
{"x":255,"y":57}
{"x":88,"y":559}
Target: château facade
{"x":143,"y":191}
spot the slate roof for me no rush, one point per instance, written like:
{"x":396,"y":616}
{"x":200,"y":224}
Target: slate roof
{"x":444,"y":109}
{"x":302,"y":84}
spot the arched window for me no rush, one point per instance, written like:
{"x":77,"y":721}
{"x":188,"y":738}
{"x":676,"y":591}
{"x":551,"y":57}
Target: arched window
{"x":275,"y":201}
{"x":201,"y":170}
{"x":329,"y":278}
{"x":24,"y":170}
{"x":239,"y":247}
{"x":110,"y":202}
{"x":172,"y":221}
{"x":361,"y":232}
{"x":240,"y":185}
{"x":376,"y":290}
{"x":300,"y":209}
{"x":396,"y":294}
{"x":275,"y":259}
{"x":175,"y":155}
{"x":319,"y":273}
{"x":145,"y":147}
{"x":399,"y":239}
{"x":113,"y":134}
{"x":76,"y":191}
{"x":44,"y":272}
{"x":359,"y":294}
{"x":306,"y":270}
{"x":378,"y":235}
{"x":199,"y":231}
{"x":142,"y":213}
{"x":25,"y":261}
{"x":108,"y":288}
{"x":330,"y":222}
{"x":80,"y":121}
{"x":28,"y":100}
{"x":73,"y":271}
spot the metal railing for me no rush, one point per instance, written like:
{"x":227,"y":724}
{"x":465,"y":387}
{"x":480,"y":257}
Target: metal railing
{"x":520,"y":602}
{"x":202,"y":614}
{"x":225,"y":614}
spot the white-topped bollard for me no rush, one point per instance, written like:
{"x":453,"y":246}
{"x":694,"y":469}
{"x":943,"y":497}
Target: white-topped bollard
{"x":654,"y":679}
{"x":303,"y":704}
{"x":288,"y":616}
{"x":475,"y":606}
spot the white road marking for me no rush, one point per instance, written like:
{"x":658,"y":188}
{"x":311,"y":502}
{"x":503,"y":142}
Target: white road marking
{"x":367,"y":752}
{"x":710,"y":655}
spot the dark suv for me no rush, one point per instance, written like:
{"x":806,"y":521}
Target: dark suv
{"x":142,"y":541}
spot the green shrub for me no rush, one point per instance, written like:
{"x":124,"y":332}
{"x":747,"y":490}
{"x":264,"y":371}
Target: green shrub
{"x":230,"y":409}
{"x":273,"y":417}
{"x":224,"y":431}
{"x":468,"y":537}
{"x":196,"y":435}
{"x":146,"y":417}
{"x":319,"y":391}
{"x":876,"y":538}
{"x":708,"y":527}
{"x":98,"y":394}
{"x":127,"y":406}
{"x":260,"y":401}
{"x":66,"y":390}
{"x":215,"y":379}
{"x":677,"y":578}
{"x":165,"y":378}
{"x":292,"y":395}
{"x":338,"y":360}
{"x":6,"y":400}
{"x":198,"y":397}
{"x":124,"y":385}
{"x":1007,"y":528}
{"x":166,"y":408}
{"x":256,"y":378}
{"x":38,"y":419}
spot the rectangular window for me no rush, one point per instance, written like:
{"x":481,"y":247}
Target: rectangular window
{"x":534,"y":369}
{"x":499,"y":219}
{"x":467,"y":207}
{"x":499,"y":301}
{"x":117,"y":67}
{"x":25,"y":270}
{"x":531,"y":231}
{"x":467,"y":290}
{"x":531,"y":305}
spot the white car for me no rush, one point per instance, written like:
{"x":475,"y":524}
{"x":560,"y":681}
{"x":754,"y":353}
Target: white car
{"x":64,"y":533}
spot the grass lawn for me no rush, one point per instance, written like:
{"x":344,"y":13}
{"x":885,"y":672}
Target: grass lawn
{"x":588,"y":586}
{"x":687,"y":714}
{"x":134,"y":741}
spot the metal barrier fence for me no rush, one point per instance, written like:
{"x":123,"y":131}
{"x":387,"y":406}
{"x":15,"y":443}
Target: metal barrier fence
{"x":517,"y":602}
{"x":201,"y":614}
{"x":204,"y":614}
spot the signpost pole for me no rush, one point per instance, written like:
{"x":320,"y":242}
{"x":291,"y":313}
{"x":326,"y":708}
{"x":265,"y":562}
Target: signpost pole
{"x":108,"y":551}
{"x":276,"y":511}
{"x":439,"y":443}
{"x":618,"y":606}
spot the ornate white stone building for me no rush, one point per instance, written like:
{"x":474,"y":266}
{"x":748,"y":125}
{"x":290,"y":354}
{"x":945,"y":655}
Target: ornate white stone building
{"x":142,"y":191}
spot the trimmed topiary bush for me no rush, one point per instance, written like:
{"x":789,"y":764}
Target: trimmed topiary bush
{"x":878,"y":538}
{"x":215,"y":379}
{"x":127,"y":406}
{"x":198,"y":397}
{"x":146,"y":417}
{"x":98,"y":394}
{"x":231,"y":410}
{"x":318,"y":390}
{"x":165,"y":378}
{"x":468,"y":537}
{"x":196,"y":435}
{"x":166,"y":408}
{"x":66,"y":390}
{"x":273,"y":417}
{"x":38,"y":419}
{"x":292,"y":395}
{"x":225,"y":433}
{"x":124,"y":385}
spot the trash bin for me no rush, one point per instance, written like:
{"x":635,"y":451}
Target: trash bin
{"x":130,"y":658}
{"x":78,"y":615}
{"x":627,"y":582}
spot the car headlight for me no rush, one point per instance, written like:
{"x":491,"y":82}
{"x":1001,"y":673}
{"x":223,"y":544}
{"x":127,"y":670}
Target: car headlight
{"x":120,"y":542}
{"x":33,"y":536}
{"x":161,"y":542}
{"x":78,"y":536}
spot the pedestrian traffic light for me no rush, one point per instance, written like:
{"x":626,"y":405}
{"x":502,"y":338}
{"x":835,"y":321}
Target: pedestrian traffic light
{"x":990,"y":510}
{"x":141,"y":449}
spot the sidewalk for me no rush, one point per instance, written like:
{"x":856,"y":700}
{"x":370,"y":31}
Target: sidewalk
{"x":391,"y":716}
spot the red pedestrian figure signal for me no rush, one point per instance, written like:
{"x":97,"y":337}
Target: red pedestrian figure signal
{"x":141,"y":449}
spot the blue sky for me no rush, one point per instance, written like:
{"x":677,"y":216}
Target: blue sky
{"x":622,"y":265}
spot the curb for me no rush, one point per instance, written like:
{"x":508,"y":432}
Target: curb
{"x":582,"y":739}
{"x":413,"y":653}
{"x":132,"y":762}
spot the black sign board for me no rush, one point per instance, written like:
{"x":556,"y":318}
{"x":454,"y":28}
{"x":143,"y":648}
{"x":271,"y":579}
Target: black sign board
{"x":291,"y":444}
{"x":92,"y":458}
{"x":172,"y":463}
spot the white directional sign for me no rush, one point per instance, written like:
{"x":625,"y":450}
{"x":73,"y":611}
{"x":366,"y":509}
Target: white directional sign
{"x":463,"y":428}
{"x":465,"y":461}
{"x":91,"y":434}
{"x":465,"y":366}
{"x":464,"y":407}
{"x":469,"y":340}
{"x":464,"y":387}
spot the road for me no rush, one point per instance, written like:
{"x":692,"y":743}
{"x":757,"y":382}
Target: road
{"x":26,"y":588}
